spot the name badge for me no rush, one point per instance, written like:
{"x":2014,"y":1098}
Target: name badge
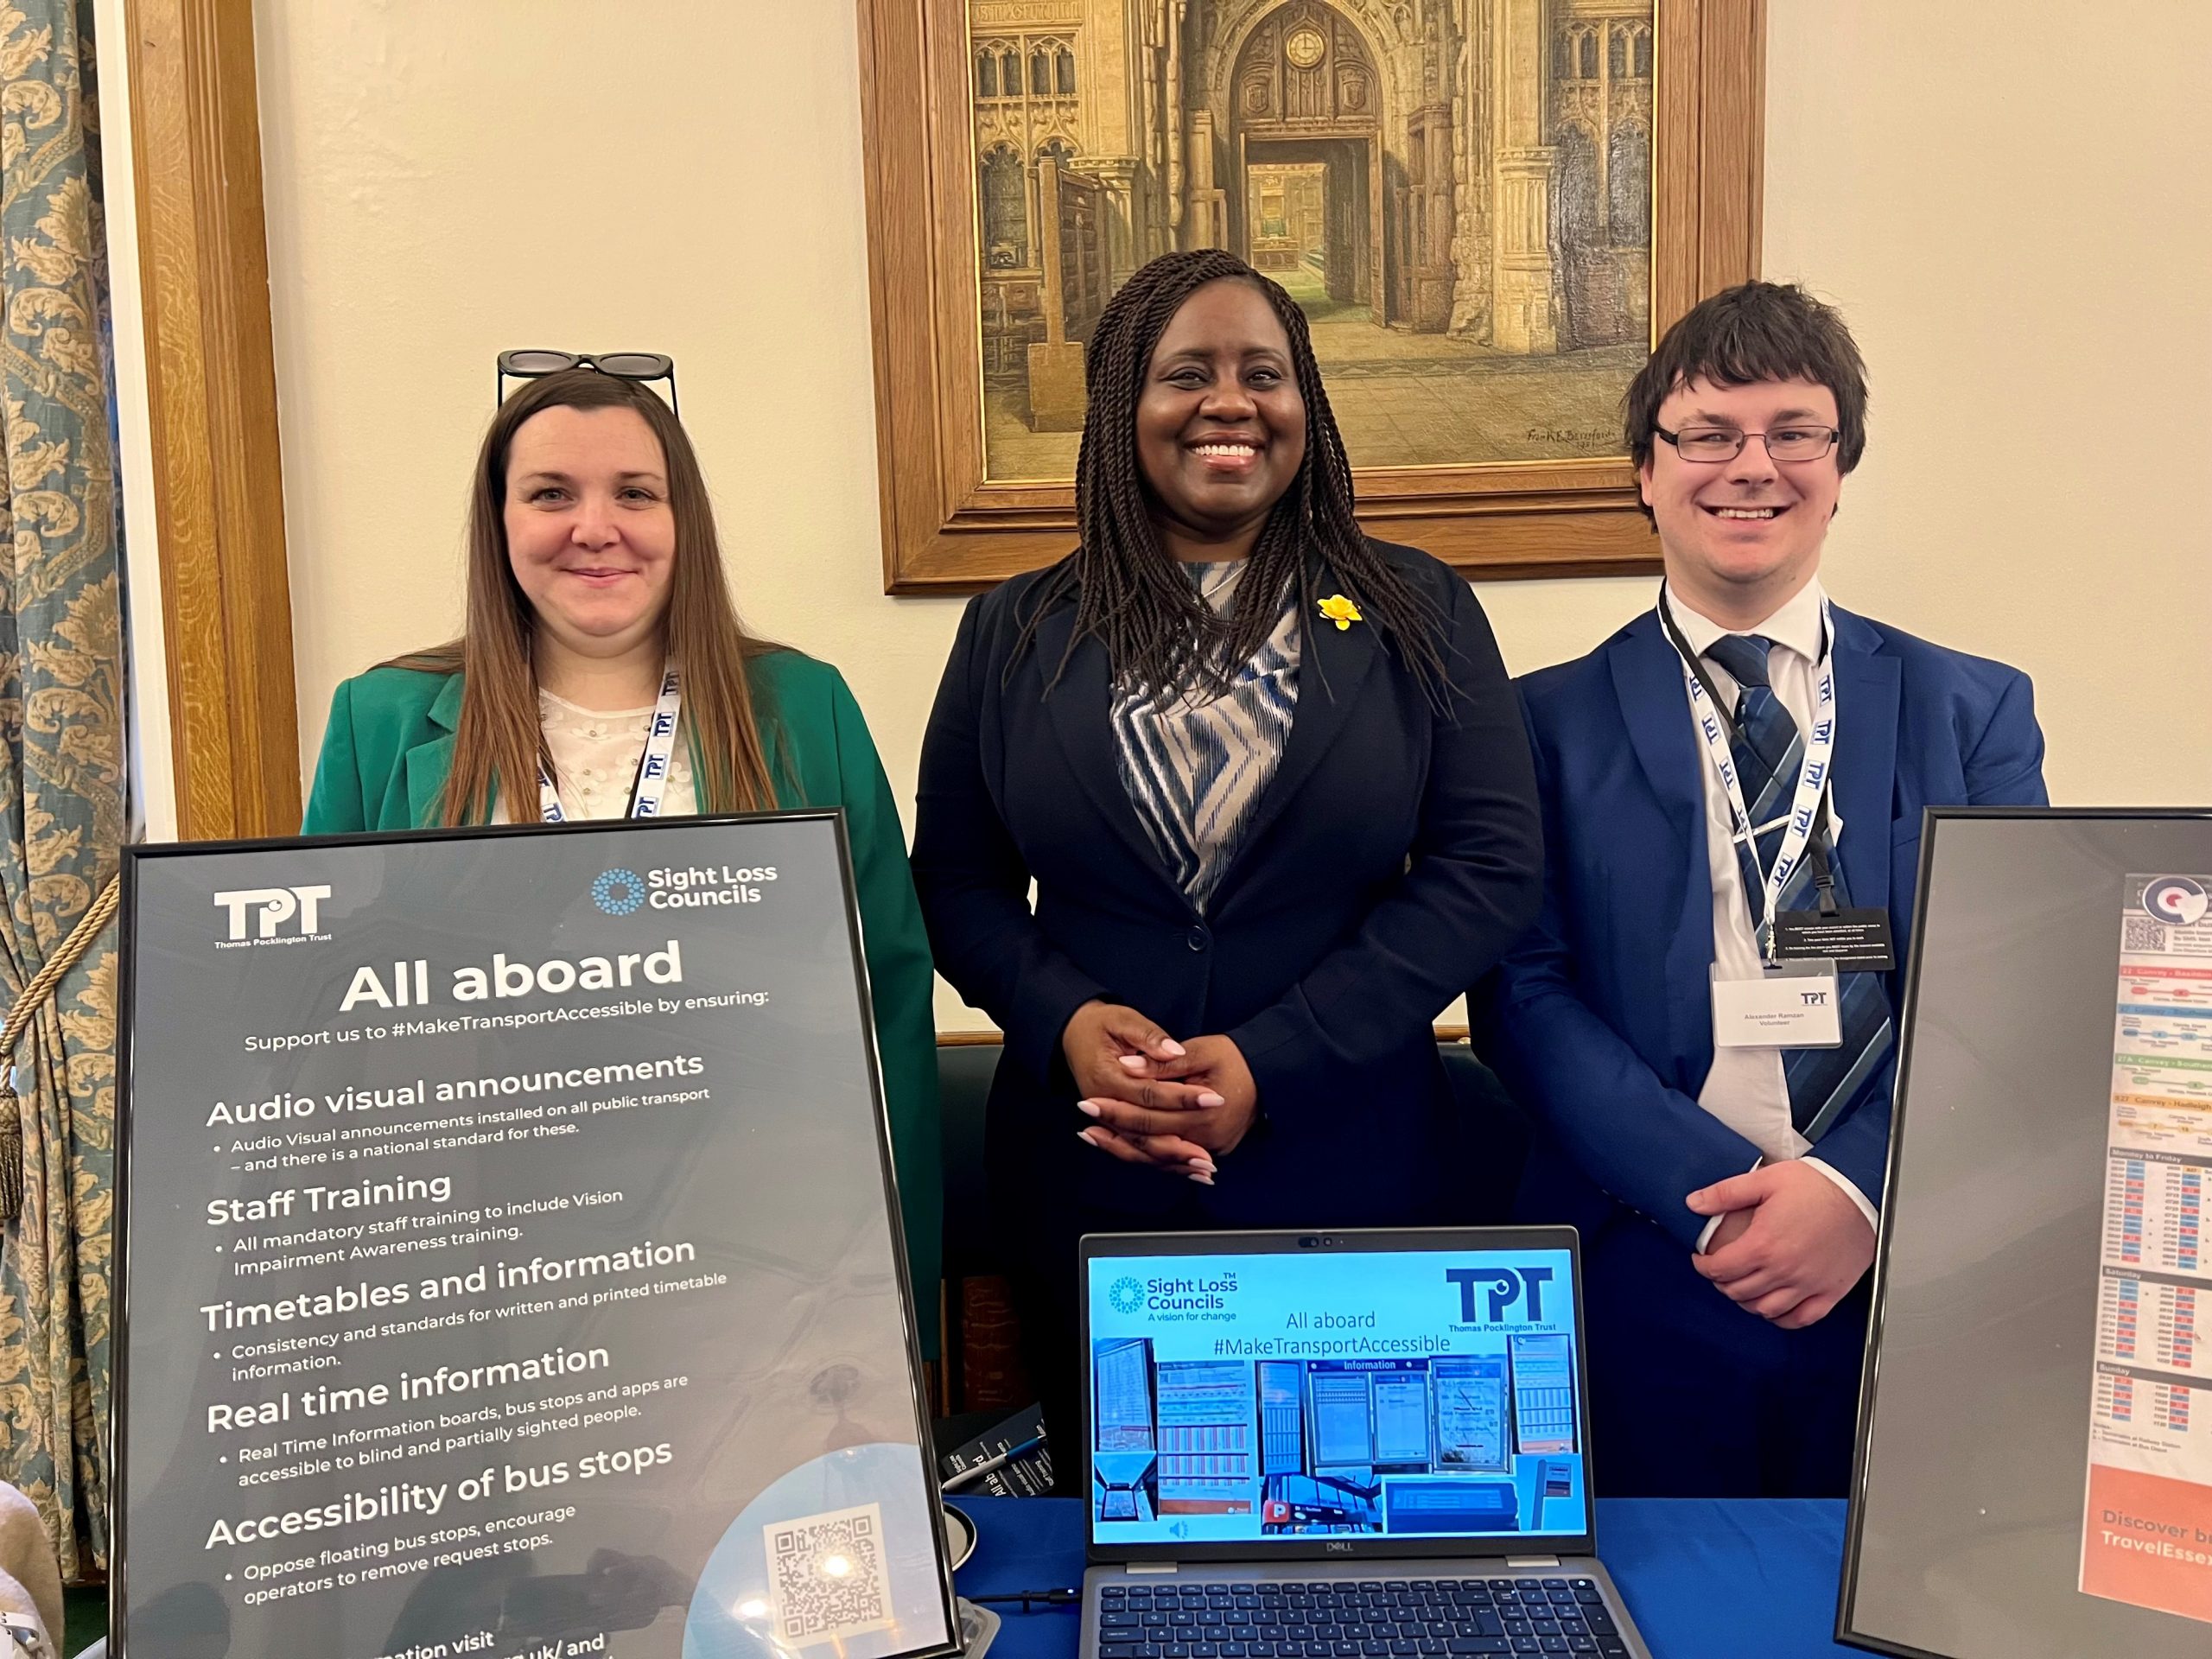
{"x":1856,"y":941}
{"x":1792,"y":1005}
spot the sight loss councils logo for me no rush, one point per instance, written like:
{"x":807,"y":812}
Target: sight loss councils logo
{"x":1127,"y":1296}
{"x":618,"y":891}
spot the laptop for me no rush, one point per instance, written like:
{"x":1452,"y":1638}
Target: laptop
{"x":1366,"y":1445}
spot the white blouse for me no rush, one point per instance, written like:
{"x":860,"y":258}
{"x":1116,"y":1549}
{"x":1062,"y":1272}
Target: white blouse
{"x":595,"y":758}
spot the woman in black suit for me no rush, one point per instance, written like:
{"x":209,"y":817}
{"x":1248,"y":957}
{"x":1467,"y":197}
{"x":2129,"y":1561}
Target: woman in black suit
{"x":1272,"y":786}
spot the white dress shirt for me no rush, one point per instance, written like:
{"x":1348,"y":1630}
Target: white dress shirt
{"x":1746,"y":1089}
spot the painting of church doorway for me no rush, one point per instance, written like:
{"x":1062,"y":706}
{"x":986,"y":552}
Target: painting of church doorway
{"x":1485,"y":208}
{"x":1304,"y":94}
{"x":1458,"y":193}
{"x":1306,"y":223}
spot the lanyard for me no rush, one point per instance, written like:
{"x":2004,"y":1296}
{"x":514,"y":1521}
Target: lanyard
{"x":652,"y":765}
{"x":1808,"y":808}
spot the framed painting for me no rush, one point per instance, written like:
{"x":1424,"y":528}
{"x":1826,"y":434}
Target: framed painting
{"x":1487,"y":209}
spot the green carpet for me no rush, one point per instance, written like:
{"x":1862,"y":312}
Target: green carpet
{"x":84,"y":1615}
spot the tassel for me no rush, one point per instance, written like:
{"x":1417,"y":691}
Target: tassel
{"x":98,"y":916}
{"x":11,"y":1152}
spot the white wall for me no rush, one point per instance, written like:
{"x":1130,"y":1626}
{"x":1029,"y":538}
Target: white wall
{"x":2013,"y":217}
{"x":443,"y":182}
{"x":2014,"y":206}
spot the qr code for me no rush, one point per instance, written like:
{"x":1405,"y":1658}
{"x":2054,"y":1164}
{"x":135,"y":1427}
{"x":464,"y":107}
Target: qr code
{"x":826,"y":1575}
{"x":2141,"y":933}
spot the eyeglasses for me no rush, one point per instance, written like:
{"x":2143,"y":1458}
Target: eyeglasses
{"x":623,"y":365}
{"x":1711,"y":444}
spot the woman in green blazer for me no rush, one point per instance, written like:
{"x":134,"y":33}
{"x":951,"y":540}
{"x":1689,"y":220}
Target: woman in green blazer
{"x":596,"y":595}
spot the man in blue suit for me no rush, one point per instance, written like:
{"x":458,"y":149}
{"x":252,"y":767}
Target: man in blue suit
{"x":1732,"y":787}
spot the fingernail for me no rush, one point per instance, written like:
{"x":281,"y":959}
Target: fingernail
{"x":1087,"y":1106}
{"x":1131,"y":1062}
{"x":1210,"y":1099}
{"x":1084,"y":1135}
{"x":1171,"y":1048}
{"x":1202,"y":1178}
{"x":1206,"y":1164}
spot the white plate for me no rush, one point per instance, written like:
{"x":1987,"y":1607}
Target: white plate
{"x":960,"y":1534}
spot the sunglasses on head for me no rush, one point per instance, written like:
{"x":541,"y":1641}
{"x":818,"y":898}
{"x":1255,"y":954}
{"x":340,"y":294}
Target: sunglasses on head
{"x":623,"y":365}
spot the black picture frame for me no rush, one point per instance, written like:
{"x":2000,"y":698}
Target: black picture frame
{"x":137,"y":857}
{"x":1934,"y":819}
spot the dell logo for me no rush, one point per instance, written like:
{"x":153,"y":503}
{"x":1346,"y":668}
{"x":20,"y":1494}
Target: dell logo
{"x":1338,"y":1547}
{"x":275,"y":905}
{"x":1505,"y":1287}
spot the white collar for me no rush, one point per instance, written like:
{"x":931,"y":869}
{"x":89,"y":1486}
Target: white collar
{"x":552,"y":709}
{"x":1796,"y":625}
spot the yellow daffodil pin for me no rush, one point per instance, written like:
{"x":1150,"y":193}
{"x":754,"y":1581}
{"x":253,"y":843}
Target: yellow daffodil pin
{"x":1341,"y":611}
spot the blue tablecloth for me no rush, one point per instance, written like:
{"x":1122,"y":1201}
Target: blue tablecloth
{"x":1704,"y":1579}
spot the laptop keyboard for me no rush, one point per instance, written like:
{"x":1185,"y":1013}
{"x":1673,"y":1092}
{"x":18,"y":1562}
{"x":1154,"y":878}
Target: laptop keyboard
{"x":1397,"y":1619}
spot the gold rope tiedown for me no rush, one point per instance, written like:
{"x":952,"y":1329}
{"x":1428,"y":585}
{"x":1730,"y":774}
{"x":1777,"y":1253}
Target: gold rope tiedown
{"x":41,"y":987}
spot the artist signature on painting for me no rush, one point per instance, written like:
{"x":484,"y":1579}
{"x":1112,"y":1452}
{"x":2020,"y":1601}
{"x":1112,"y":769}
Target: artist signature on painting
{"x":1569,"y":434}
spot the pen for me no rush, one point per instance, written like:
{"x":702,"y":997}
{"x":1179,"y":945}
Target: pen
{"x":997,"y":1460}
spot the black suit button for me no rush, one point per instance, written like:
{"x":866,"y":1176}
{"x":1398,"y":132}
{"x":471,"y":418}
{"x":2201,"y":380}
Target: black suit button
{"x":1197,"y":938}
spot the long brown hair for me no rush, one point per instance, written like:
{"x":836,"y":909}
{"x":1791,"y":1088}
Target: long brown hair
{"x":499,"y":743}
{"x":1158,"y":634}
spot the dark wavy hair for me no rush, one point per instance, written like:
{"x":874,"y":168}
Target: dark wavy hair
{"x":1745,"y":334}
{"x":1158,"y":632}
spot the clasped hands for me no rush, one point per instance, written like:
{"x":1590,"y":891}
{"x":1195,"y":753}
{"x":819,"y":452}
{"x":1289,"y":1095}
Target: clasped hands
{"x":1789,"y":1247}
{"x":1175,"y":1106}
{"x":1791,"y":1244}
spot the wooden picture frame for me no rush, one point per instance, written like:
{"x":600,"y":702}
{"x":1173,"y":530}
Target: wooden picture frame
{"x":948,"y":528}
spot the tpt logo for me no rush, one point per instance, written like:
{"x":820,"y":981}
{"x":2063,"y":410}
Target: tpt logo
{"x":1127,"y":1295}
{"x":1502,"y":1289}
{"x":272,"y":906}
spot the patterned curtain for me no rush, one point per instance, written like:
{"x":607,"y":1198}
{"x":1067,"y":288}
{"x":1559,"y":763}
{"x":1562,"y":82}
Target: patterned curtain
{"x":61,"y":765}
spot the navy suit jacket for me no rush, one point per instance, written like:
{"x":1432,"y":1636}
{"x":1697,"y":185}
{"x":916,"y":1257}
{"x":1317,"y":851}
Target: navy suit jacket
{"x":1600,"y":1019}
{"x":1393,"y":860}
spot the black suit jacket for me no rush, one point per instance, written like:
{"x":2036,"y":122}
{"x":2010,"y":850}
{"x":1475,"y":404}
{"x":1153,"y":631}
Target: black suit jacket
{"x":1396,"y":856}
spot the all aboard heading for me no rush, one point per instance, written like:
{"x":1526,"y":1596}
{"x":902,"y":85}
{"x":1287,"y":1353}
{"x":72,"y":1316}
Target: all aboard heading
{"x":409,"y":985}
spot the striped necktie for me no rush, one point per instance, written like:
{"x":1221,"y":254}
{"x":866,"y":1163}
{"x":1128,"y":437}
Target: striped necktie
{"x":1769,"y":751}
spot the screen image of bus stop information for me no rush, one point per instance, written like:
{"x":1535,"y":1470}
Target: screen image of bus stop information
{"x":509,"y":1259}
{"x":2147,"y":1532}
{"x":1277,"y":1397}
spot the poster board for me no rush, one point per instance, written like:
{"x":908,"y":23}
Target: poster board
{"x":509,"y":1261}
{"x":2034,"y":1473}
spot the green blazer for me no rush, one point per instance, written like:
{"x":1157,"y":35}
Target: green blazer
{"x":385,"y":757}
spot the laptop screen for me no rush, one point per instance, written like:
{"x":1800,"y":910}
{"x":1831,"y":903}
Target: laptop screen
{"x":1304,"y":1393}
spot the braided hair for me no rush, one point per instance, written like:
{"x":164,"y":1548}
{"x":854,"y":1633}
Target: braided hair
{"x":1158,"y":632}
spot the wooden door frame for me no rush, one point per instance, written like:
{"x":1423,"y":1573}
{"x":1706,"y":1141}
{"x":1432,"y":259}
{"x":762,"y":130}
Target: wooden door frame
{"x":211,"y":393}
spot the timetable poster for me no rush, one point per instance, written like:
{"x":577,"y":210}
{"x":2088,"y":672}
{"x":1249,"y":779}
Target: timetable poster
{"x":2147,"y":1536}
{"x":509,"y":1260}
